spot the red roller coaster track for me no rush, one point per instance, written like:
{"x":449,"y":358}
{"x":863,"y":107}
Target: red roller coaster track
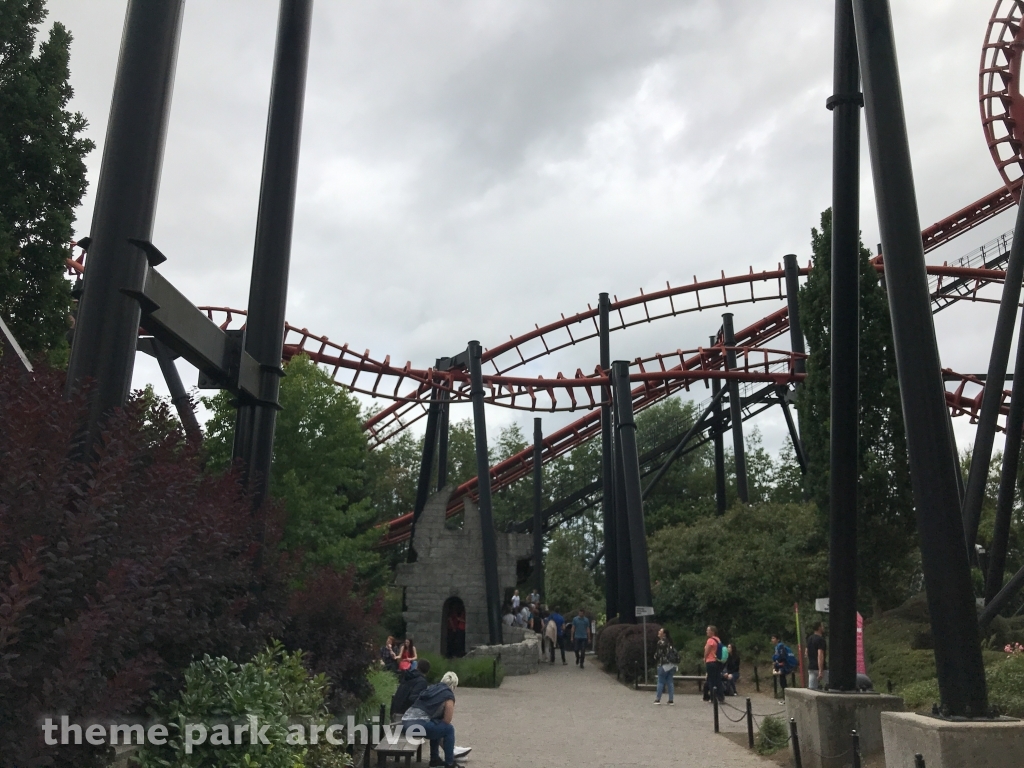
{"x":660,"y":375}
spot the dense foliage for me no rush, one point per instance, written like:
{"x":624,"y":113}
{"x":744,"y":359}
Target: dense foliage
{"x":116,"y":574}
{"x":274,"y":687}
{"x":570,"y":585}
{"x":42,"y":175}
{"x":319,"y":470}
{"x":887,"y":529}
{"x":742,"y":571}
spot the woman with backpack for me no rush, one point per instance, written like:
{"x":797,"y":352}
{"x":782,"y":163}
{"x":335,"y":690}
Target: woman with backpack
{"x":715,"y":655}
{"x":666,"y":657}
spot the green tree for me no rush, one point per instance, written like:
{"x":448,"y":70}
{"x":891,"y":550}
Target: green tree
{"x":567,"y":581}
{"x":42,"y":176}
{"x":319,"y":469}
{"x":887,"y":532}
{"x":742,"y":571}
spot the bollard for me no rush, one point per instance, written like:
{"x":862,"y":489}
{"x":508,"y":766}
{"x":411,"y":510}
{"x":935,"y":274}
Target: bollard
{"x":888,"y":685}
{"x":383,"y":713}
{"x":797,"y":761}
{"x":775,"y":686}
{"x":714,"y":704}
{"x":750,"y":726}
{"x":792,"y":680}
{"x":856,"y":749}
{"x":494,"y":672}
{"x":757,"y":680}
{"x":919,"y":760}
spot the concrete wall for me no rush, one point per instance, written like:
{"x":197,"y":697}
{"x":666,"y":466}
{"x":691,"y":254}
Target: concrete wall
{"x":824,"y":722}
{"x":945,"y":744}
{"x":522,"y":658}
{"x":450,"y":564}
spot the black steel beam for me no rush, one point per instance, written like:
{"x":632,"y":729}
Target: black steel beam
{"x":426,"y":468}
{"x":997,"y":603}
{"x":697,"y":425}
{"x":735,"y":408}
{"x":268,"y":286}
{"x":442,"y":441}
{"x":179,"y":397}
{"x":992,"y":397}
{"x":483,"y":473}
{"x":107,"y":324}
{"x":176,"y":322}
{"x":944,"y":560}
{"x":718,"y":428}
{"x":796,"y":334}
{"x":625,"y":428}
{"x":624,"y":552}
{"x":845,"y":332}
{"x":1007,"y":476}
{"x":794,"y":435}
{"x":538,"y":511}
{"x":608,"y":512}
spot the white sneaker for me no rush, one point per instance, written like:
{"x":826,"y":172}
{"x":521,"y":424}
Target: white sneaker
{"x":657,"y":702}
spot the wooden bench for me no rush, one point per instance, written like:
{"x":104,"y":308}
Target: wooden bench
{"x":698,"y":679}
{"x":403,"y":750}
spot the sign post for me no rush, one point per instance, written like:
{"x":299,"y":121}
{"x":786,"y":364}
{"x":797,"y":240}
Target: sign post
{"x":644,"y":611}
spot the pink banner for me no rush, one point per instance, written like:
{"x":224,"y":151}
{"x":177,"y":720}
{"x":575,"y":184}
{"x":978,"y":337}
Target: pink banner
{"x":861,"y":666}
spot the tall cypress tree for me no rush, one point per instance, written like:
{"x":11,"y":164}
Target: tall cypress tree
{"x":42,"y":175}
{"x":887,"y":530}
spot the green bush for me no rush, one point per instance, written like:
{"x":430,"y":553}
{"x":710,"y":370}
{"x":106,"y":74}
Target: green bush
{"x":742,"y":571}
{"x":383,"y":683}
{"x":629,"y":651}
{"x":1005,"y":680}
{"x":606,"y":640}
{"x":274,"y":687}
{"x":771,"y":736}
{"x":473,"y":673}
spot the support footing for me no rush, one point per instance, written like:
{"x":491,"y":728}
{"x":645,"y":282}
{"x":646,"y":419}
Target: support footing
{"x":946,"y":744}
{"x":825,"y":720}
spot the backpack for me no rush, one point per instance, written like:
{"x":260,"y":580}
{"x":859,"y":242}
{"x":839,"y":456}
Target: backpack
{"x":673,"y":655}
{"x":723,"y":652}
{"x":786,"y":658}
{"x":433,"y":698}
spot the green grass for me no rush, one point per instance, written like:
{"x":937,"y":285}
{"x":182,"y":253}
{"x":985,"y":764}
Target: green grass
{"x":473,"y":673}
{"x":384,"y":684}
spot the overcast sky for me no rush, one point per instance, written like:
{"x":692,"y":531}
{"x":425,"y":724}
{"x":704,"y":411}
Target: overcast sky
{"x":472,"y":168}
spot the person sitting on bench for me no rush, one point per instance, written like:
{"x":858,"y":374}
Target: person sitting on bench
{"x":433,"y":710}
{"x":412,"y":684}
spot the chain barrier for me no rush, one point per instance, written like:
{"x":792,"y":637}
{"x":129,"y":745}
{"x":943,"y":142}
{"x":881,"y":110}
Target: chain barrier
{"x":756,"y":714}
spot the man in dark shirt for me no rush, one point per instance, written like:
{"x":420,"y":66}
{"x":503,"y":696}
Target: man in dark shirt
{"x":580,"y":637}
{"x":413,"y":683}
{"x":816,"y":647}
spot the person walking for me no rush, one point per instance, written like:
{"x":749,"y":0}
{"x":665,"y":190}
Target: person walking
{"x":816,"y":647}
{"x":559,"y":623}
{"x":580,"y":637}
{"x":515,"y":601}
{"x":550,"y":636}
{"x":713,"y":662}
{"x":667,"y":658}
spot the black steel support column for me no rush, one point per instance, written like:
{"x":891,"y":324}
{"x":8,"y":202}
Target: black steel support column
{"x":944,"y":561}
{"x":442,"y":441}
{"x":483,"y":474}
{"x":268,"y":286}
{"x":796,"y":333}
{"x":735,"y":410}
{"x":625,"y":428}
{"x":717,"y":428}
{"x":179,"y":397}
{"x":608,"y":498}
{"x":794,"y":435}
{"x":426,"y":467}
{"x":107,"y":324}
{"x":1008,"y":474}
{"x":670,"y":459}
{"x":625,"y":580}
{"x":845,"y":330}
{"x":992,"y":397}
{"x":538,"y":510}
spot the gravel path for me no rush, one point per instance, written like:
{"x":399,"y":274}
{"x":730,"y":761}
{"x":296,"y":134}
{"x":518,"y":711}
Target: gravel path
{"x":565,"y":716}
